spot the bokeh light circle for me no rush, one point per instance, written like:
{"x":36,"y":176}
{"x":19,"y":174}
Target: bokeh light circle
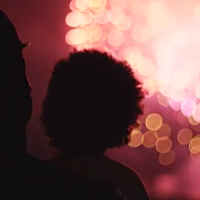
{"x":154,"y":122}
{"x":136,"y":139}
{"x":163,"y":131}
{"x":167,"y":158}
{"x":149,"y":139}
{"x":184,"y":136}
{"x":163,"y":145}
{"x":194,"y":145}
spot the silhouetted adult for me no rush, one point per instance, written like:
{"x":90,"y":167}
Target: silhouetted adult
{"x":92,"y":104}
{"x":21,"y":175}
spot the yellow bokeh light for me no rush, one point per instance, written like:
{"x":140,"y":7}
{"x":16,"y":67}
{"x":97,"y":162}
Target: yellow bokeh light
{"x":167,"y":158}
{"x":153,"y":122}
{"x":95,"y":34}
{"x":87,"y":17}
{"x":184,"y":136}
{"x":149,"y":139}
{"x":194,"y":145}
{"x":74,"y":19}
{"x":102,"y":16}
{"x":82,"y":4}
{"x":164,"y":131}
{"x":102,"y":4}
{"x":192,"y":121}
{"x":138,"y":128}
{"x":162,"y":100}
{"x":136,"y":139}
{"x":77,"y":36}
{"x":163,"y":145}
{"x":94,"y":3}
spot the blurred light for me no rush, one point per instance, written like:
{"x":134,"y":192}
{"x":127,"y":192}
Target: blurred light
{"x":154,"y":122}
{"x":123,"y":24}
{"x":95,"y":34}
{"x":98,"y":5}
{"x":136,"y":139}
{"x":196,"y":113}
{"x":194,"y":168}
{"x":164,"y":101}
{"x":82,"y":4}
{"x":94,"y":3}
{"x":74,"y":19}
{"x":195,"y":157}
{"x":149,"y":85}
{"x":184,"y":136}
{"x":187,"y":106}
{"x":163,"y":145}
{"x":196,"y":12}
{"x":139,"y":7}
{"x":87,"y":16}
{"x":197,"y":90}
{"x":133,"y":56}
{"x":193,"y":121}
{"x":180,"y":38}
{"x":73,"y":6}
{"x":89,"y":25}
{"x":194,"y":145}
{"x":157,"y":14}
{"x":141,"y":34}
{"x":167,"y":158}
{"x":102,"y":16}
{"x":163,"y":131}
{"x":177,"y":95}
{"x":77,"y":36}
{"x":149,"y":139}
{"x":196,"y":127}
{"x":150,"y":36}
{"x":115,"y":37}
{"x":182,"y":119}
{"x":116,"y":4}
{"x":138,"y":128}
{"x":145,"y":67}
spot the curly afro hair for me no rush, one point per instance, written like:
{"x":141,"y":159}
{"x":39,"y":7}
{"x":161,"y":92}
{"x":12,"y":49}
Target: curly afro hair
{"x":93,"y":101}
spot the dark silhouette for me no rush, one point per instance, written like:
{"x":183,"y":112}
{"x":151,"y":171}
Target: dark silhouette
{"x":92,"y":104}
{"x":15,"y":101}
{"x":21,"y":175}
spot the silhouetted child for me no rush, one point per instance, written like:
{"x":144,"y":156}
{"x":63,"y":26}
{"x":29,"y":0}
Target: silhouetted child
{"x":92,"y":104}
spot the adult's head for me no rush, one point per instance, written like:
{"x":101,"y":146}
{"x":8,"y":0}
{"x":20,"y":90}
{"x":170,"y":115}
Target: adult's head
{"x":15,"y":101}
{"x":93,"y":101}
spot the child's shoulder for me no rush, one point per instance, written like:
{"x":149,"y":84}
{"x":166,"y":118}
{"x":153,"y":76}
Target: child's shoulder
{"x":120,"y":167}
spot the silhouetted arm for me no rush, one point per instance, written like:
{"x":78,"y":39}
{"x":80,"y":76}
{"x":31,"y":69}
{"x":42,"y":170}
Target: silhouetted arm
{"x":15,"y":101}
